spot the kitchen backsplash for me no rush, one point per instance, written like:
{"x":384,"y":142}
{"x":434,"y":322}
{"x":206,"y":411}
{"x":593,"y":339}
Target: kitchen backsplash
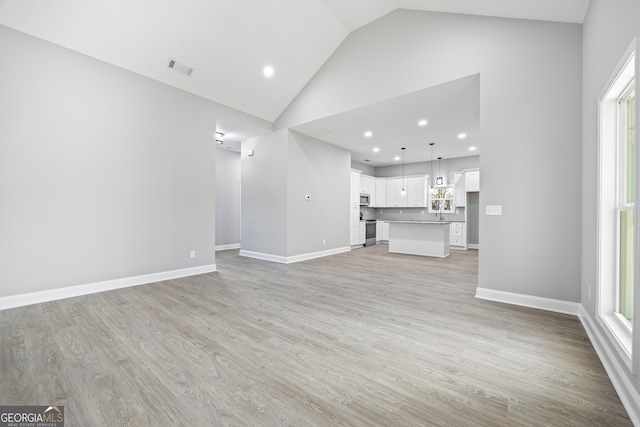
{"x":394,"y":214}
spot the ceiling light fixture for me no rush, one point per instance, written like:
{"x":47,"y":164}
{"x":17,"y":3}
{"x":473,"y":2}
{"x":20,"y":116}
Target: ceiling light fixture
{"x":472,"y":148}
{"x":423,"y":122}
{"x":268,"y":71}
{"x":462,"y":135}
{"x":368,"y":134}
{"x":402,"y":192}
{"x":219,"y":138}
{"x":396,"y":158}
{"x":439,"y":179}
{"x":376,"y":150}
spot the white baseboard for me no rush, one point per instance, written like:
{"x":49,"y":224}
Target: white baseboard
{"x":263,"y":256}
{"x":227,"y":247}
{"x":21,"y":300}
{"x":541,"y":303}
{"x":617,"y":374}
{"x":473,"y":246}
{"x":320,"y":254}
{"x":295,"y":258}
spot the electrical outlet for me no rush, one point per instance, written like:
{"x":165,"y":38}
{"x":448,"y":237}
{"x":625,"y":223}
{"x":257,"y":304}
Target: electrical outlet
{"x":422,"y":212}
{"x":494,"y":210}
{"x":400,"y":212}
{"x":324,"y":242}
{"x":192,"y":254}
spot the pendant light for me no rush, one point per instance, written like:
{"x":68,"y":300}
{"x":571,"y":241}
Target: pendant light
{"x":431,"y":163}
{"x":403,"y":192}
{"x":439,"y":179}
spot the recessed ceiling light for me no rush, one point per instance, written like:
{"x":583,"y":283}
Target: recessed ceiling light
{"x":376,"y":149}
{"x":423,"y":122}
{"x":368,"y":134}
{"x":268,"y":71}
{"x":462,"y":135}
{"x":472,"y":148}
{"x":396,"y":158}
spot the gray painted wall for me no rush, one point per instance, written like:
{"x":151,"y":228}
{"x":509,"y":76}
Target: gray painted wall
{"x":365,"y":169}
{"x":227,"y":197}
{"x":104,"y":174}
{"x":523,"y":67}
{"x":446,"y":167}
{"x":322,"y":171}
{"x":608,"y":31}
{"x":264,"y":194}
{"x":276,"y":218}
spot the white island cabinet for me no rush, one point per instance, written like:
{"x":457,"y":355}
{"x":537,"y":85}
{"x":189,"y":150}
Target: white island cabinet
{"x":426,"y":238}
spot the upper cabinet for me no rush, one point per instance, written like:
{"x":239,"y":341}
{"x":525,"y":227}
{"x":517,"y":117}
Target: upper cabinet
{"x":417,"y":192}
{"x":459,"y":192}
{"x":395,"y":198}
{"x":367,"y":184}
{"x":355,"y":189}
{"x":380,"y":198}
{"x":387,"y":192}
{"x":472,"y":181}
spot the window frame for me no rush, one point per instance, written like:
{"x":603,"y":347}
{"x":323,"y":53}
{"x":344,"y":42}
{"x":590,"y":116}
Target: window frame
{"x":619,"y":331}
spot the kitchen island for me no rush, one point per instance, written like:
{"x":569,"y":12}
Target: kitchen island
{"x":426,"y":238}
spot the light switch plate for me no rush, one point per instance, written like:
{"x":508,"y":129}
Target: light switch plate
{"x":494,"y":210}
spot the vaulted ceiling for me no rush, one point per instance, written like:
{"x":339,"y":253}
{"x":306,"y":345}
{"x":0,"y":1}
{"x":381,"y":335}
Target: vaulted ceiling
{"x":229,"y":42}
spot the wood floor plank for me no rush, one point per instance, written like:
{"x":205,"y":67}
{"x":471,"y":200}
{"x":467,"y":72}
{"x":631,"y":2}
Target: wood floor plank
{"x":364,"y":338}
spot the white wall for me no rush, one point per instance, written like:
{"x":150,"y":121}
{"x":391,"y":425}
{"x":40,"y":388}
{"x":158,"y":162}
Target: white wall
{"x":264,"y":194}
{"x":277,"y":221}
{"x":365,"y":169}
{"x":608,"y":31}
{"x":530,"y":98}
{"x":227,"y":197}
{"x":104,"y":174}
{"x":445,"y":166}
{"x":322,"y":171}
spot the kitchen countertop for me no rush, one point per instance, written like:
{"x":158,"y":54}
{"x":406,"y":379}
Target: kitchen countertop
{"x":417,"y":221}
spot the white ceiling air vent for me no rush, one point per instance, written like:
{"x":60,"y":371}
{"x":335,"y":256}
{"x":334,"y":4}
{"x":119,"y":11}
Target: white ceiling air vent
{"x":180,"y":68}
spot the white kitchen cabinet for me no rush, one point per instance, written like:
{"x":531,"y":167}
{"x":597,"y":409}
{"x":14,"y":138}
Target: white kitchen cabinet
{"x":379,"y":227}
{"x":385,"y":231}
{"x":381,"y":193}
{"x":394,"y":196}
{"x":354,"y":209}
{"x":367,"y":184}
{"x":472,"y":181}
{"x":457,"y":235}
{"x":441,"y":199}
{"x":354,"y":222}
{"x":355,"y":188}
{"x":459,"y":192}
{"x":363,"y":233}
{"x":417,"y":192}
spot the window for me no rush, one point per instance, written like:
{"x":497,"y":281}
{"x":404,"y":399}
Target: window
{"x":626,"y":190}
{"x":616,"y":207}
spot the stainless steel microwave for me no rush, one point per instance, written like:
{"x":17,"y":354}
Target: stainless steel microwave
{"x":364,"y":199}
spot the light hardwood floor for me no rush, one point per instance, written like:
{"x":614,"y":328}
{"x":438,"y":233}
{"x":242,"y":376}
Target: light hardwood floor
{"x":365,"y":338}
